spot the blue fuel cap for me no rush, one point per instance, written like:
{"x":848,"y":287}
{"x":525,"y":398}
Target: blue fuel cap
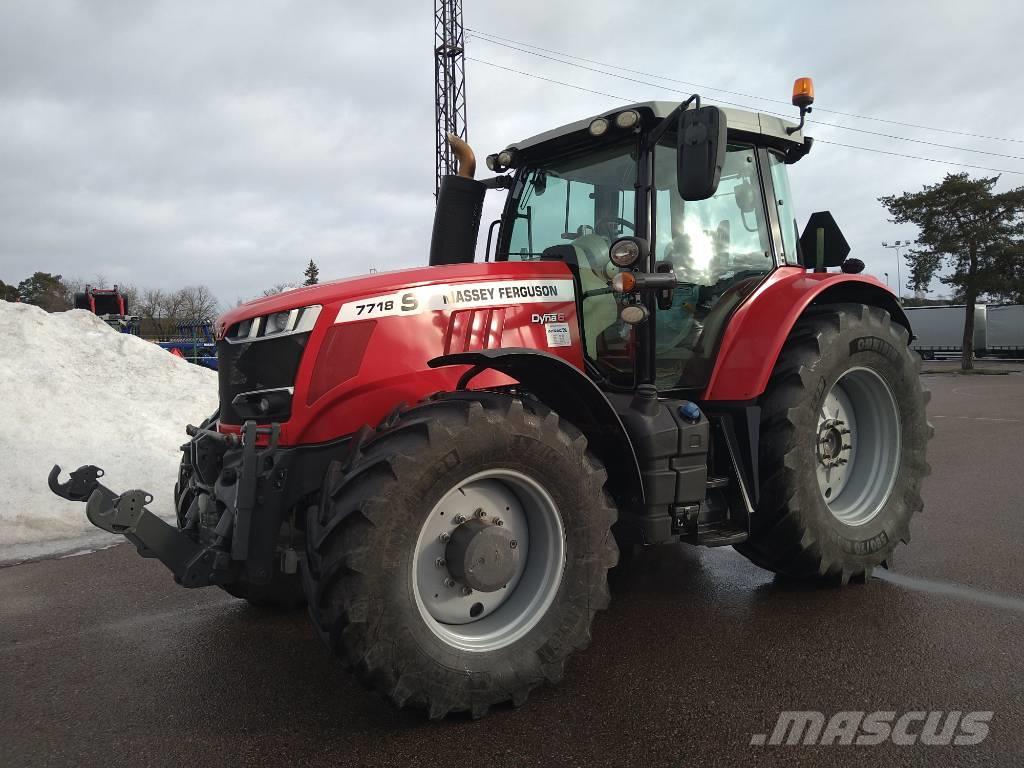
{"x":689,"y":411}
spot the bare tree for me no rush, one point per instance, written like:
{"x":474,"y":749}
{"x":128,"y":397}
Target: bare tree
{"x":149,"y":303}
{"x":72,"y":285}
{"x":150,"y":307}
{"x":276,"y":289}
{"x":131,"y":296}
{"x":197,"y":302}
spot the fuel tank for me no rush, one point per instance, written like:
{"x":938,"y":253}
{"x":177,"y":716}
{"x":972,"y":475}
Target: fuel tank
{"x":368,"y":348}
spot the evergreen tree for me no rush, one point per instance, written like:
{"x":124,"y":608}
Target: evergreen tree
{"x":966,"y":226}
{"x":312,"y":274}
{"x":44,"y":290}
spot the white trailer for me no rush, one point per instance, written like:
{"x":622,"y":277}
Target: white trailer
{"x":939,"y":331}
{"x":1004,"y":330}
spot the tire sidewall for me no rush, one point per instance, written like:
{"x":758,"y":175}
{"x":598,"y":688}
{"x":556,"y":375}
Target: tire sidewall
{"x":544,"y":456}
{"x":860,"y":345}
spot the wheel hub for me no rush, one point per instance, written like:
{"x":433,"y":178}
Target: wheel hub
{"x":483,"y":556}
{"x":857,"y":446}
{"x":510,"y":522}
{"x":833,"y":450}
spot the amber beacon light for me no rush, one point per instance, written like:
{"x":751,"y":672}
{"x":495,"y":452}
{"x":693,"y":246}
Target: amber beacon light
{"x":803,"y":97}
{"x":803,"y":92}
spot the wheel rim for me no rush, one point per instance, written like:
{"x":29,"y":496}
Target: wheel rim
{"x":529,"y":521}
{"x":857,"y":446}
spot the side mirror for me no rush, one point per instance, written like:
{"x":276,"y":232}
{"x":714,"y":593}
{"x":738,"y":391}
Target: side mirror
{"x":701,"y":140}
{"x":822,"y":244}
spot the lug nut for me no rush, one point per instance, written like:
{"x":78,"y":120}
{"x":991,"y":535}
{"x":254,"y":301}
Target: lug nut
{"x":449,"y":582}
{"x":443,"y":538}
{"x":513,"y":544}
{"x":440,"y":562}
{"x":467,"y":591}
{"x":458,"y":519}
{"x":498,"y":521}
{"x":479,"y":513}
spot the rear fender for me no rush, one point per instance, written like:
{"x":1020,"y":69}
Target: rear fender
{"x":574,"y":397}
{"x":760,"y":326}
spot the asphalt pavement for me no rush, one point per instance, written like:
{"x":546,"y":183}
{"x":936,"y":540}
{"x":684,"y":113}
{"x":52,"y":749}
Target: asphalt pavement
{"x":104,"y":661}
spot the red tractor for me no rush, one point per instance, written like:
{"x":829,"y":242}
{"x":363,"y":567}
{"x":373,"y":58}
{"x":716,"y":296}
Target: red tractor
{"x":443,"y":463}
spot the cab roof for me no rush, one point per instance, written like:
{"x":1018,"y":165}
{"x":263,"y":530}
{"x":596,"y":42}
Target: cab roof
{"x":653,"y":111}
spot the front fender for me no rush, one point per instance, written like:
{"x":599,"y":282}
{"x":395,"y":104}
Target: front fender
{"x":757,"y":330}
{"x":574,"y":397}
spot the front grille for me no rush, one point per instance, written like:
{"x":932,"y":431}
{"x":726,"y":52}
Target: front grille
{"x":262,"y":364}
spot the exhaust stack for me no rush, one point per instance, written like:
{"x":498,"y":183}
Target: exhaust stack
{"x":460,"y":203}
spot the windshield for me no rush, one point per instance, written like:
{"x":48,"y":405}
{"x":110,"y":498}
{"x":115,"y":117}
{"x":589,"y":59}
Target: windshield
{"x":581,"y":204}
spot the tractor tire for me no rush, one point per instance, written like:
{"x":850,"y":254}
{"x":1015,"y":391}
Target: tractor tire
{"x":283,"y":593}
{"x":381,"y":579}
{"x":842,"y":448}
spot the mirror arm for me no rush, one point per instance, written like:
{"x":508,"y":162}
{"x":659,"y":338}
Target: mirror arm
{"x":655,"y":136}
{"x":498,"y":182}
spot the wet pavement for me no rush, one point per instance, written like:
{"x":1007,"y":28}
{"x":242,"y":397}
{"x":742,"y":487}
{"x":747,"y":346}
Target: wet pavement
{"x":105,"y":662}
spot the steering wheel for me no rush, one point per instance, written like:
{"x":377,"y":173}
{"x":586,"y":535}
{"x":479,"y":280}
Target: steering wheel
{"x":599,"y":226}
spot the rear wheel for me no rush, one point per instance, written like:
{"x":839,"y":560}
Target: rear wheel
{"x":842,"y":451}
{"x":458,"y":559}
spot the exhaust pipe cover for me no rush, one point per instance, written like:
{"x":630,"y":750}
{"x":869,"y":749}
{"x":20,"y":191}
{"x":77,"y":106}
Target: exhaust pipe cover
{"x":460,"y":204}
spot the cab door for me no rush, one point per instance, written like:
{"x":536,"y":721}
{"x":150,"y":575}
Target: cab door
{"x":719,"y":249}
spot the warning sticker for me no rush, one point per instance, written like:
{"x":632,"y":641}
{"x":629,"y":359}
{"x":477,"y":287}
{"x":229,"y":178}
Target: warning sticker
{"x":432,"y":298}
{"x":558,"y":334}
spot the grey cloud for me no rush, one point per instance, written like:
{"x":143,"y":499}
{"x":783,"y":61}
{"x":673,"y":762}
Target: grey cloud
{"x":170,"y":142}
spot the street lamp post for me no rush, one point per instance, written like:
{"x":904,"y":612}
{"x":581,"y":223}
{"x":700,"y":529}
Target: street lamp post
{"x":898,"y":245}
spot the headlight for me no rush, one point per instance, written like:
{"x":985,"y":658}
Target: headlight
{"x":275,"y":325}
{"x":598,"y":127}
{"x":624,"y":253}
{"x":634,"y":314}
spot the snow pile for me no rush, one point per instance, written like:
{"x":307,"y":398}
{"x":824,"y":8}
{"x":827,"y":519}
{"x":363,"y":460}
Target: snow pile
{"x":74,"y":391}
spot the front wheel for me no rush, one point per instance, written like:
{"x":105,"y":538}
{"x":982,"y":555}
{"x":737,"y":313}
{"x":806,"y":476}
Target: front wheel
{"x":458,"y":559}
{"x":842,"y":450}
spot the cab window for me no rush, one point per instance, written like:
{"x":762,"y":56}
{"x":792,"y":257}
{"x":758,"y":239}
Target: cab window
{"x":787,"y":213}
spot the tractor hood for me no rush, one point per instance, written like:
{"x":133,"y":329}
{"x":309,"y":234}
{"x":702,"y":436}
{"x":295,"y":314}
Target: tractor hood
{"x":332,"y":294}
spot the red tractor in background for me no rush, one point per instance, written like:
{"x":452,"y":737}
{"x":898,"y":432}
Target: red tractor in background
{"x":102,"y":301}
{"x":445,"y":462}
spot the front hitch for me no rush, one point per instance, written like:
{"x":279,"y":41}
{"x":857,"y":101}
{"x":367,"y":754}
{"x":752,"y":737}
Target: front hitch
{"x":192,"y":564}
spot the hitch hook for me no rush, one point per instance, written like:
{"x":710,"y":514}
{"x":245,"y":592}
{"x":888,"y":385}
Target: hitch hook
{"x":83,"y":482}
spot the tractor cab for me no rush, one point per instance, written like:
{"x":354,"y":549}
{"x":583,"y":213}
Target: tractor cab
{"x":605,"y":195}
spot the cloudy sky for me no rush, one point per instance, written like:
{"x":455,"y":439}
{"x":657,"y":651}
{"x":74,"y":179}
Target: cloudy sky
{"x":165,"y":143}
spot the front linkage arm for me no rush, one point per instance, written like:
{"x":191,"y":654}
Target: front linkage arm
{"x":192,"y":564}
